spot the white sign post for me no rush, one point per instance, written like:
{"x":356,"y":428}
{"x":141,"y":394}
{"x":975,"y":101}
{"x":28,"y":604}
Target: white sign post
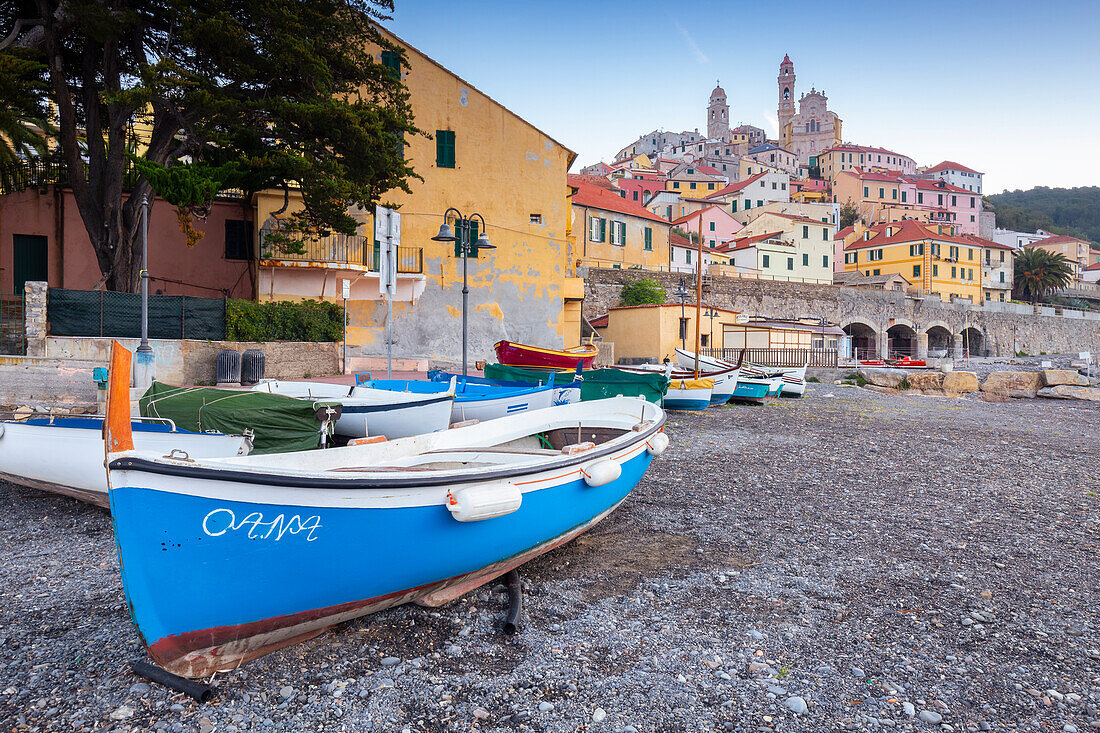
{"x":345,"y":288}
{"x":387,"y":231}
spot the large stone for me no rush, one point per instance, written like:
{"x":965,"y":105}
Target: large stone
{"x":960,"y":382}
{"x":1012,"y":384}
{"x":931,"y":381}
{"x":1071,"y":392}
{"x":891,"y":378}
{"x":1056,"y":377}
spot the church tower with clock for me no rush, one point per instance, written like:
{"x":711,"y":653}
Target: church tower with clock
{"x":786,"y":98}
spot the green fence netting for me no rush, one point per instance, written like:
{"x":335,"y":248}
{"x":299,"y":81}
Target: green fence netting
{"x":118,"y":315}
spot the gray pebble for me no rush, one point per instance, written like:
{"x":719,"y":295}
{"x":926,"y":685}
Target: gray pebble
{"x":930,"y":716}
{"x":796,"y":705}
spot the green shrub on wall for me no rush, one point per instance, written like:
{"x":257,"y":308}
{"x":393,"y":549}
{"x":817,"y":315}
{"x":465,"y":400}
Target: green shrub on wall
{"x":306,"y":320}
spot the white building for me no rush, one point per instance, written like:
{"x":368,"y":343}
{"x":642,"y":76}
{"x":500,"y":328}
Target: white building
{"x":956,"y":174}
{"x":1019,"y":240}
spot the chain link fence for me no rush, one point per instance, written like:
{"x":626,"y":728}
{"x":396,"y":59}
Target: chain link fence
{"x":118,"y":315}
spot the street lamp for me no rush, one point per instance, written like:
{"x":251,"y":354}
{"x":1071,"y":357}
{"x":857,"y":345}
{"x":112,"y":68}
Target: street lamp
{"x":711,"y":313}
{"x":465,"y":247}
{"x":682,"y":295}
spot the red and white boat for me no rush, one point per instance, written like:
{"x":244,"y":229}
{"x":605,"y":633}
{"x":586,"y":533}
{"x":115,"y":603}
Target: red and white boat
{"x":523,"y":355}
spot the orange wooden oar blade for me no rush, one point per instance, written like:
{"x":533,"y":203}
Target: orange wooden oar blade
{"x":118,"y":433}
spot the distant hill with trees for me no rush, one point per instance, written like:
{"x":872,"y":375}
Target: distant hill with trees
{"x":1071,"y":211}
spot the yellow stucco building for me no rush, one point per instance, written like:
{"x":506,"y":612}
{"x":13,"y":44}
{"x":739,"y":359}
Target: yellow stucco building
{"x":610,"y":231}
{"x":478,"y":157}
{"x":935,"y":258}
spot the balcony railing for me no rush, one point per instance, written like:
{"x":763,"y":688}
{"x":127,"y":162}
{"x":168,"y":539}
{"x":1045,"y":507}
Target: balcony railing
{"x":335,"y":248}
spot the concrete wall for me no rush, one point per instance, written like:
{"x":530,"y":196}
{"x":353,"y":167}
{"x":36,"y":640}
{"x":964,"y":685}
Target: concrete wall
{"x":44,"y":381}
{"x":1004,"y":327}
{"x":193,"y":362}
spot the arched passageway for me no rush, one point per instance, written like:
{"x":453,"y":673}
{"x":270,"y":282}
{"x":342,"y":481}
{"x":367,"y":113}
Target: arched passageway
{"x":940,"y":342}
{"x":864,"y":341}
{"x":901,"y":341}
{"x":973,"y":341}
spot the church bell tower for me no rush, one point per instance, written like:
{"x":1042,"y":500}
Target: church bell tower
{"x":786,"y":98}
{"x":718,"y":115}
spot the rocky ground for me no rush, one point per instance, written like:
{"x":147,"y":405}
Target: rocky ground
{"x":847,"y":561}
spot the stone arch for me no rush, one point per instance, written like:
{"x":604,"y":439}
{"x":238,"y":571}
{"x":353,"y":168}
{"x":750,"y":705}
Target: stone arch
{"x":940,"y":340}
{"x":864,"y":337}
{"x":901,"y":340}
{"x":973,"y":340}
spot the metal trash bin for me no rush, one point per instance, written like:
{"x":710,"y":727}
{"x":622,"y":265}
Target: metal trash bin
{"x":228,"y":367}
{"x":253,"y":364}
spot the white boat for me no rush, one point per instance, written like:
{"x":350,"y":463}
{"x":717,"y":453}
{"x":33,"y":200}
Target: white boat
{"x":371,"y":412}
{"x":688,"y":394}
{"x":725,"y":380}
{"x":474,"y":399}
{"x":64,"y":455}
{"x":794,"y":378}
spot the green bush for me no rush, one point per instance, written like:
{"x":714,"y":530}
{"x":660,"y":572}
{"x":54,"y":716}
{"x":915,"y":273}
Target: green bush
{"x":283,"y":320}
{"x":643,"y":292}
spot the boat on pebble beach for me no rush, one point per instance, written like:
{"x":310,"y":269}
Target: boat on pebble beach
{"x":510,"y":353}
{"x":266,"y":551}
{"x":64,"y":455}
{"x":473,"y":400}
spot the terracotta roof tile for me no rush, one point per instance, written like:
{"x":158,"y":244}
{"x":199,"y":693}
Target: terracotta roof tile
{"x":952,"y":165}
{"x":601,"y":198}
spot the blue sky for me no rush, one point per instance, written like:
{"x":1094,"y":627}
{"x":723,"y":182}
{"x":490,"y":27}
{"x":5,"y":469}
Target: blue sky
{"x":1008,"y":88}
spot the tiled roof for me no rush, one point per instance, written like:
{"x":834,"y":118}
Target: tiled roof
{"x":1094,"y":266}
{"x":695,"y":213}
{"x":601,"y":198}
{"x":599,"y":321}
{"x":708,"y":170}
{"x":735,"y":187}
{"x":589,"y":179}
{"x":797,"y":217}
{"x":872,"y":175}
{"x":679,"y":241}
{"x":952,"y":165}
{"x":908,"y":230}
{"x":1057,"y":239}
{"x":927,"y":185}
{"x":844,"y":232}
{"x":987,"y":243}
{"x":745,"y":242}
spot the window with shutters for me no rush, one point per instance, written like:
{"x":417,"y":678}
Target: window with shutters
{"x":952,"y":273}
{"x":825,"y":235}
{"x":392,"y":63}
{"x":935,"y":270}
{"x":878,"y":272}
{"x":687,"y":256}
{"x":767,"y":261}
{"x":593,"y":229}
{"x":866,"y":192}
{"x":805,"y":259}
{"x":805,"y":232}
{"x":920,"y":197}
{"x":903,"y":197}
{"x":916,"y":270}
{"x":649,"y":238}
{"x":445,"y":148}
{"x":790,"y":263}
{"x":712,"y":226}
{"x":733,"y":206}
{"x":824,"y":260}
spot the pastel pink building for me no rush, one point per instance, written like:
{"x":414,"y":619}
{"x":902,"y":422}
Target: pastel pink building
{"x":639,"y":188}
{"x":716,"y":223}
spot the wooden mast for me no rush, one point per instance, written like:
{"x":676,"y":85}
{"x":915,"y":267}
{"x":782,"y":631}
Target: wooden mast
{"x":698,"y":291}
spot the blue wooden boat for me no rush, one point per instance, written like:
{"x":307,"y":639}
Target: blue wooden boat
{"x":224,"y":560}
{"x":565,"y":391}
{"x":473,"y":400}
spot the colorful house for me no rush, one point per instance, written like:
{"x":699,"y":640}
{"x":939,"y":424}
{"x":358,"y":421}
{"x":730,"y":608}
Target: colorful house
{"x":613,"y":232}
{"x":787,"y":247}
{"x":1075,"y":250}
{"x":884,"y":197}
{"x":652,"y":333}
{"x":693,"y":183}
{"x":936,"y":258}
{"x":685,"y":255}
{"x":753,"y":192}
{"x":956,"y":174}
{"x":998,"y":266}
{"x":714,"y":225}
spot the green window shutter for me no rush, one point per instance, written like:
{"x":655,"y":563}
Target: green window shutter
{"x":648,"y":238}
{"x":392,"y":62}
{"x":767,"y":261}
{"x":865,"y":192}
{"x":603,"y":230}
{"x":376,"y":256}
{"x":622,"y":233}
{"x":734,"y":205}
{"x":473,"y":238}
{"x":445,"y":148}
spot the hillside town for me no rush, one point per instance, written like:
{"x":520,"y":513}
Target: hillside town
{"x":336,"y":395}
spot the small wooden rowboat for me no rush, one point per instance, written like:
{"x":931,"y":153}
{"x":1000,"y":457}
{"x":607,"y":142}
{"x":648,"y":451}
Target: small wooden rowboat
{"x":368,"y":412}
{"x":64,"y":455}
{"x":522,"y":355}
{"x":689,"y":394}
{"x":473,"y":401}
{"x":794,"y":378}
{"x":725,"y":380}
{"x":226,"y":560}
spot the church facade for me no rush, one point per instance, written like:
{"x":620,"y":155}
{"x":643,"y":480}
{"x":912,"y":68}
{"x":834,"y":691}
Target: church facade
{"x":814,"y":128}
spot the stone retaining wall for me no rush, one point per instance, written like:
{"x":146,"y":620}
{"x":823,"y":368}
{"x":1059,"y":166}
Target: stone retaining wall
{"x":1005,"y":328}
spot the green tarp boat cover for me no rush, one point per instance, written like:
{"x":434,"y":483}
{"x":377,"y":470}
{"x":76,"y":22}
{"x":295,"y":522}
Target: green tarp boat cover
{"x":595,"y":384}
{"x":279,"y":424}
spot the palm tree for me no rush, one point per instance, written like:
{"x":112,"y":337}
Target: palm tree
{"x":24,"y":116}
{"x":1038,"y":272}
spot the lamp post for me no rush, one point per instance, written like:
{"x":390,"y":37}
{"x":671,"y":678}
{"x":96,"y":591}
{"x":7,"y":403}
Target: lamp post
{"x":682,"y":295}
{"x":143,"y":361}
{"x":711,"y":313}
{"x":465,"y":247}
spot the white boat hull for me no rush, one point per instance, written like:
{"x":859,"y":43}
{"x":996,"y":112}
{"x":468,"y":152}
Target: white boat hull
{"x":69,"y":460}
{"x":491,"y":409}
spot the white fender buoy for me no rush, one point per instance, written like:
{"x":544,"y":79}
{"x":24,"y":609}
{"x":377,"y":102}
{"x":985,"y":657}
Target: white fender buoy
{"x":657,"y":444}
{"x":484,"y":501}
{"x":602,"y":472}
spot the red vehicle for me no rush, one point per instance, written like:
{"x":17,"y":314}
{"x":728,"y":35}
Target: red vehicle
{"x":522,"y":355}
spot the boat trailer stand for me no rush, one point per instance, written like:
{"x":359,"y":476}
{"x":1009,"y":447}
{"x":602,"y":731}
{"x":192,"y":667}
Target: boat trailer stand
{"x":515,"y":603}
{"x":196,"y":690}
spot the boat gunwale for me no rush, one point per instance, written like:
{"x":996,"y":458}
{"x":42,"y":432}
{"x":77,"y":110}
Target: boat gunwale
{"x":302,"y":480}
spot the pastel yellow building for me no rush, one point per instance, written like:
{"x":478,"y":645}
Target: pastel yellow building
{"x":478,"y":157}
{"x":935,"y":258}
{"x":610,"y":231}
{"x":787,"y":247}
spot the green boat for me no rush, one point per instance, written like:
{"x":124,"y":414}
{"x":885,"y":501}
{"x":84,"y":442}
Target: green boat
{"x":595,"y":384}
{"x":277,"y":424}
